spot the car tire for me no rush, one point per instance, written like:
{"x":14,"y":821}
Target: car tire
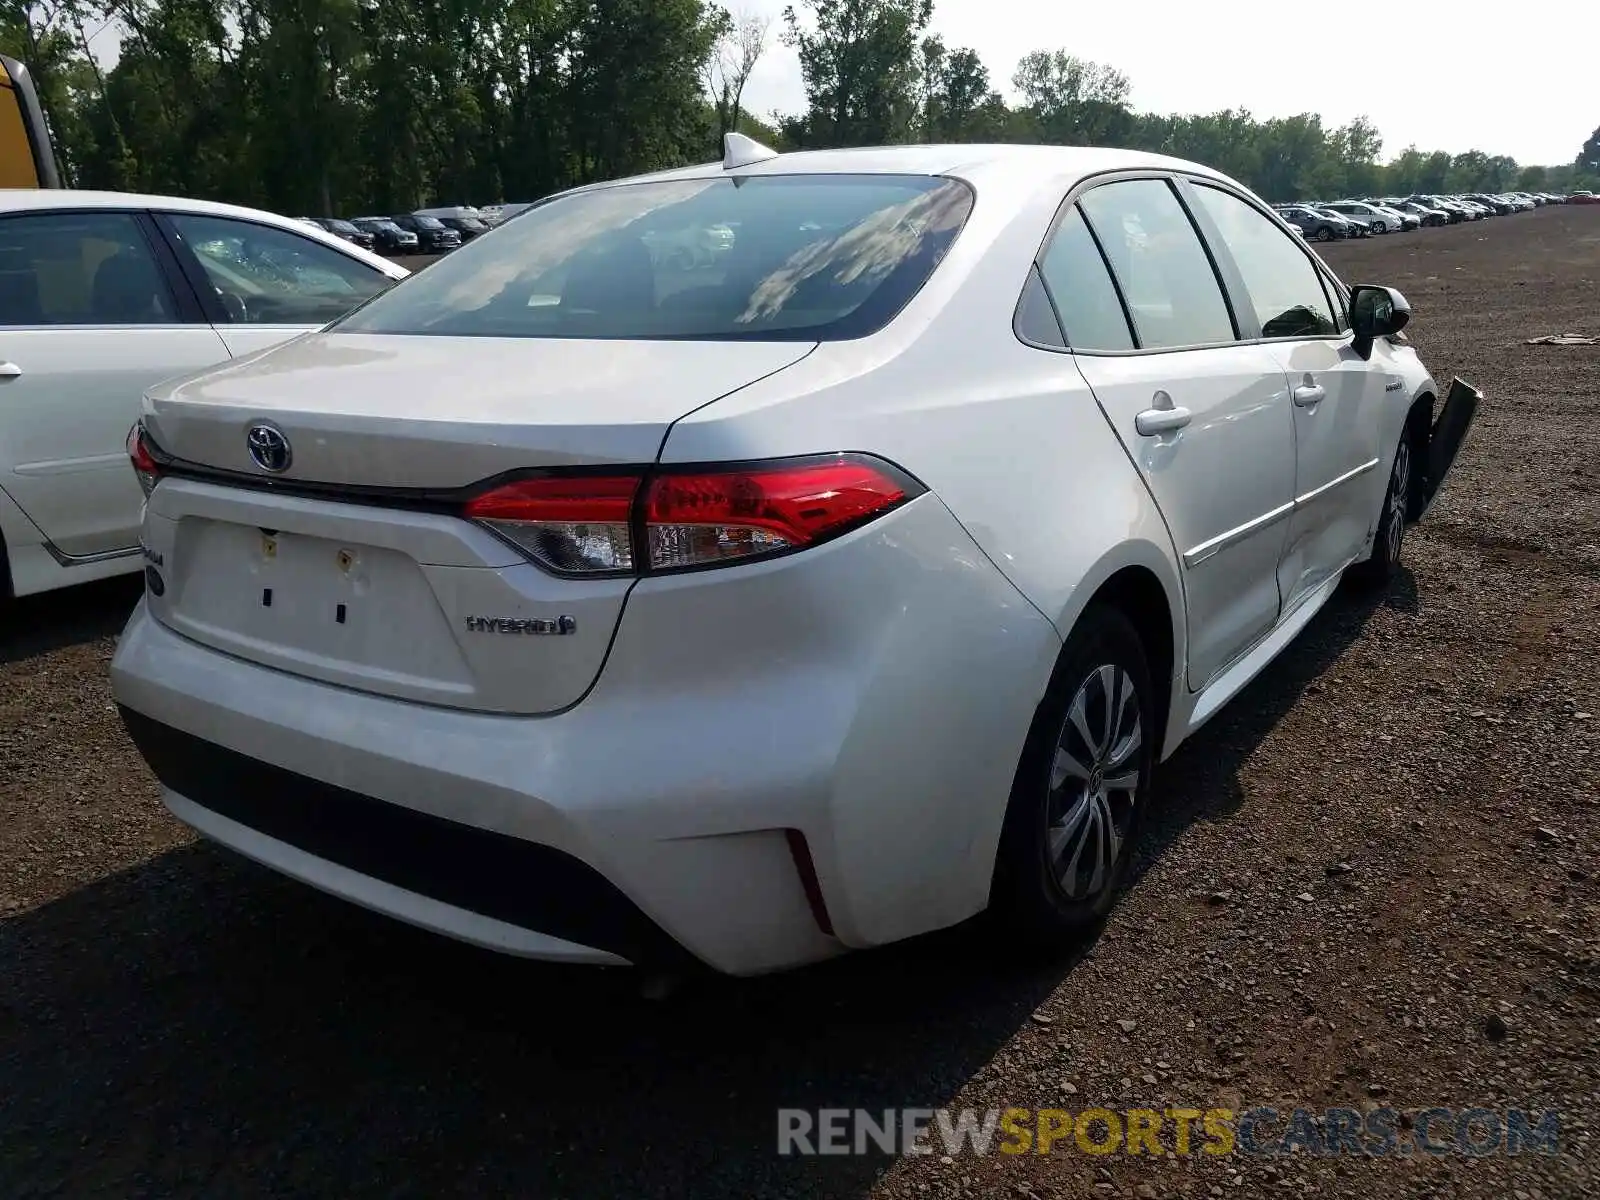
{"x":1057,"y":874}
{"x":1380,"y":567}
{"x":1379,"y":227}
{"x":1325,"y":234}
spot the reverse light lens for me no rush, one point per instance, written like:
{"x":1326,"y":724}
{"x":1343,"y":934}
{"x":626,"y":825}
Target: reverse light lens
{"x":145,"y":467}
{"x":575,"y":525}
{"x":702,"y":518}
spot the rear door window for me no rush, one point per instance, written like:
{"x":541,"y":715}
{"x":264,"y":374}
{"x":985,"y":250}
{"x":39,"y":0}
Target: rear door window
{"x":1165,"y":275}
{"x":1080,"y":284}
{"x":80,"y":268}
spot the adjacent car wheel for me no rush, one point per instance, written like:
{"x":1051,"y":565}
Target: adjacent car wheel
{"x":1325,"y":234}
{"x":1381,"y":565}
{"x":1081,"y":789}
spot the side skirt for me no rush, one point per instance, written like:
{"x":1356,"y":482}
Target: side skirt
{"x":1209,"y":700}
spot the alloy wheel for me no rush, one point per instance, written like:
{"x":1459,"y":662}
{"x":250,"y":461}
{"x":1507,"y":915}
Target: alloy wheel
{"x":1399,"y":494}
{"x":1094,"y":782}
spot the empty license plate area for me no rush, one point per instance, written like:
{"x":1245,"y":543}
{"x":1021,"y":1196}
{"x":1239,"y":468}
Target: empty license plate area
{"x":349,"y":613}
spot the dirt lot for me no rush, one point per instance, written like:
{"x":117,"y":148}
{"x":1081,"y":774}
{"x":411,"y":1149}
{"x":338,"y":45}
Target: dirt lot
{"x":1374,"y":880}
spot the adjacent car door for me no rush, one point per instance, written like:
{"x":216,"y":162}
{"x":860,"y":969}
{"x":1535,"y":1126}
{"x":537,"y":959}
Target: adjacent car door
{"x":1204,"y":417}
{"x":1338,"y":396}
{"x":264,"y":285}
{"x":92,"y":312}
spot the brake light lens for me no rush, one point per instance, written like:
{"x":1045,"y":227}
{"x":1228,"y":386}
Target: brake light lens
{"x":587,"y":525}
{"x":701,"y":518}
{"x":146,"y":467}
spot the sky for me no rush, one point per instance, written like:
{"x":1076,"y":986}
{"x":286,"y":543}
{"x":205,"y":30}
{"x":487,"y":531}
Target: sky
{"x":1457,"y":76}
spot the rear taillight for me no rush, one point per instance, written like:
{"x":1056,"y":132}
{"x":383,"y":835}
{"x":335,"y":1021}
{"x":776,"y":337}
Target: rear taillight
{"x":693,"y":519}
{"x":146,"y":467}
{"x":589,"y":524}
{"x":574,"y":525}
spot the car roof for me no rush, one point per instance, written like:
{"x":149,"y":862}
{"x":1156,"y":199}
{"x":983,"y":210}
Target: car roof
{"x":15,"y":200}
{"x":975,"y":163}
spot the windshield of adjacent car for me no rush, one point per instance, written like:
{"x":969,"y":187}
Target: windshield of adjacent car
{"x":341,"y":227}
{"x":791,"y":257}
{"x":428,"y":222}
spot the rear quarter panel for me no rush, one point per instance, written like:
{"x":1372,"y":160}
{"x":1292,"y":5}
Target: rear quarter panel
{"x":1011,"y":440}
{"x":1009,"y":436}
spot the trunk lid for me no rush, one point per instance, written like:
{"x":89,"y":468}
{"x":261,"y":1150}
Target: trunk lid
{"x":384,"y":410}
{"x":401,"y":599}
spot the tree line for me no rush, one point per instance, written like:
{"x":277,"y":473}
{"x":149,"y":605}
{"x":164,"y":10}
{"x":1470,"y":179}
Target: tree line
{"x":345,"y":106}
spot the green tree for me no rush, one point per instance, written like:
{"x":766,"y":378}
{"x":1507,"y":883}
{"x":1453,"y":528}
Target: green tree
{"x":859,"y":60}
{"x":1355,"y":148}
{"x":346,"y":106}
{"x":1289,"y":150}
{"x":1070,"y":101}
{"x":47,"y":35}
{"x":739,"y":44}
{"x":1588,"y":159}
{"x":1467,"y":171}
{"x":955,"y":95}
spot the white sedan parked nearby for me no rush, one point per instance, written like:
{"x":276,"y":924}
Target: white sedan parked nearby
{"x":103,"y":295}
{"x":594,"y":605}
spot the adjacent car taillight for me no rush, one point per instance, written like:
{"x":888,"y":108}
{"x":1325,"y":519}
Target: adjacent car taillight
{"x":146,"y":467}
{"x":675,"y":519}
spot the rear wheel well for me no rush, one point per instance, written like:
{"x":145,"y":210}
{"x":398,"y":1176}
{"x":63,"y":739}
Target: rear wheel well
{"x":1137,"y":594}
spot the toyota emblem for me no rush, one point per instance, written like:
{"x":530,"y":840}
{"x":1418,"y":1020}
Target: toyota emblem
{"x":269,"y":449}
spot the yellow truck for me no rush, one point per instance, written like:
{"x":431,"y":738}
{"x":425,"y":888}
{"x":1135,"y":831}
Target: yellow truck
{"x":26,"y":159}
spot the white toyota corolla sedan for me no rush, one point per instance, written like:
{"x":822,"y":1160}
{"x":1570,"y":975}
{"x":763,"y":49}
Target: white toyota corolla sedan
{"x":103,"y":294}
{"x":607,"y":606}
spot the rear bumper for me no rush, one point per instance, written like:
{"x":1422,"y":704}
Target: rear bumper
{"x":871,"y":695}
{"x":304,"y":827}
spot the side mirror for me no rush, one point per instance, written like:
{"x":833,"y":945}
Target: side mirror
{"x":1376,"y":312}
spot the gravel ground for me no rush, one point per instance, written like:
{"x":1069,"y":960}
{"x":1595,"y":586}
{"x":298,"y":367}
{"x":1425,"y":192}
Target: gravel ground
{"x":1372,"y":881}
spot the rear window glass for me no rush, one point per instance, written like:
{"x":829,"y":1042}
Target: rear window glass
{"x":794,"y":257}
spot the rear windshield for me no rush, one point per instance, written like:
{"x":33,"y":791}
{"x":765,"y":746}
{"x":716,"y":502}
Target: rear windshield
{"x":792,"y":257}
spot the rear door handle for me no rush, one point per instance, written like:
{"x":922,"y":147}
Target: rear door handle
{"x":1308,"y":394}
{"x":9,"y":370}
{"x":1153,"y":422}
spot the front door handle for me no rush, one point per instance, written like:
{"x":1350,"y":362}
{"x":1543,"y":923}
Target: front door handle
{"x":1153,"y":422}
{"x":9,"y":370}
{"x":1309,"y":394}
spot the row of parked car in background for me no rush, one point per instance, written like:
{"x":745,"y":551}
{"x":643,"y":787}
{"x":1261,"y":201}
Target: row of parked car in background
{"x":1329,"y":221}
{"x":441,"y":230}
{"x":426,"y":231}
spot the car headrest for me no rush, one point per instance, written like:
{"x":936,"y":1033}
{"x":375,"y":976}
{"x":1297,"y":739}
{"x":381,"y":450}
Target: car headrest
{"x":127,"y":288}
{"x":619,"y":277}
